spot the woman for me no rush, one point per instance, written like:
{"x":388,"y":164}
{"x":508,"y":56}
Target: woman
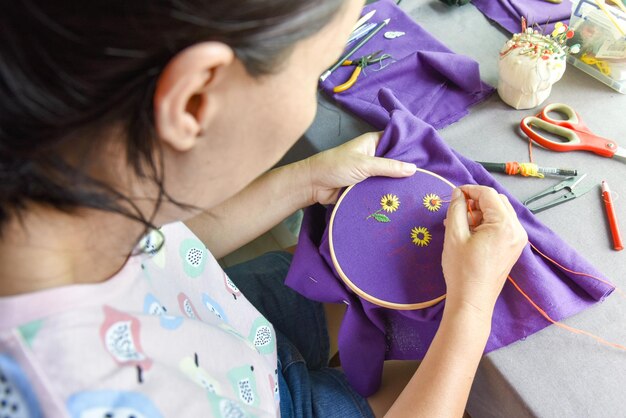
{"x":120,"y":117}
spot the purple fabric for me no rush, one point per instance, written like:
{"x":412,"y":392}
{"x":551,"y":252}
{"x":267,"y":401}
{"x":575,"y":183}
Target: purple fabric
{"x":414,"y":269}
{"x":369,"y":333}
{"x":434,"y":83}
{"x":508,"y":13}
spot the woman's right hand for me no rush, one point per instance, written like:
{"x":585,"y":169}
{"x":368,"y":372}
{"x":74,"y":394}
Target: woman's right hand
{"x":478,"y":254}
{"x":477,"y":258}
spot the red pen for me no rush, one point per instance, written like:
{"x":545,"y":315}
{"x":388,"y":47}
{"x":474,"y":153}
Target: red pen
{"x":610,"y":213}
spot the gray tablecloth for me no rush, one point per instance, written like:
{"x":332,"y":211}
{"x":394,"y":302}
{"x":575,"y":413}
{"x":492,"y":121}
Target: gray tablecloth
{"x":552,"y":373}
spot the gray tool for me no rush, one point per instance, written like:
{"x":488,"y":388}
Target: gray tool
{"x":572,"y":188}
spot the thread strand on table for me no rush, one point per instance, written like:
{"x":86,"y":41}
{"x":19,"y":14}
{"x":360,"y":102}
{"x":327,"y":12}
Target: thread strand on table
{"x":591,"y":276}
{"x":558,"y":324}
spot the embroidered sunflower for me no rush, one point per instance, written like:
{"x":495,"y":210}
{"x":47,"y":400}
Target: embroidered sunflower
{"x":432,"y":202}
{"x":420,"y":236}
{"x":390,"y":202}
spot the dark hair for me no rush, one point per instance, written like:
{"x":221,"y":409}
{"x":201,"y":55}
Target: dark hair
{"x":71,"y":70}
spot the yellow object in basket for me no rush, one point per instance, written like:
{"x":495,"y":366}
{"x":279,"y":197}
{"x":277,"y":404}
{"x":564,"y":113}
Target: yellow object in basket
{"x":603,"y":66}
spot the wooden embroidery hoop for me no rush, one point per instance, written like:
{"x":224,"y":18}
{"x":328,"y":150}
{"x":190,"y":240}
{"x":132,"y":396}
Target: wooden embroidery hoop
{"x":354,"y":287}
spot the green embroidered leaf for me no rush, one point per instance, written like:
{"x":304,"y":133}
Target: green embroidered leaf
{"x":381,"y":218}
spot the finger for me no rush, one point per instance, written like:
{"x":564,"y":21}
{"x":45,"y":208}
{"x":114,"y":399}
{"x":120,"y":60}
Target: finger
{"x":366,"y":143}
{"x":488,"y":201}
{"x":377,"y":166}
{"x":456,"y":218}
{"x":476,"y":191}
{"x":508,"y":204}
{"x":376,"y":136}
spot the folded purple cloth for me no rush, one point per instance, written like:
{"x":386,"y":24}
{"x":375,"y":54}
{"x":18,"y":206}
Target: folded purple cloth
{"x":508,"y":13}
{"x":433,"y":82}
{"x":370,"y":333}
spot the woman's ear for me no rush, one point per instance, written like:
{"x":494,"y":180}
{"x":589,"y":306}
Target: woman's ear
{"x":183,"y":103}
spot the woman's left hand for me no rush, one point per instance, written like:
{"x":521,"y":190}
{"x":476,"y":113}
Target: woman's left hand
{"x":349,"y":164}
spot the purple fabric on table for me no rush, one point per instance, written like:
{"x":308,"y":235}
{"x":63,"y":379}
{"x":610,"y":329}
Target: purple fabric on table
{"x":508,"y":13}
{"x":433,"y":82}
{"x":369,"y":333}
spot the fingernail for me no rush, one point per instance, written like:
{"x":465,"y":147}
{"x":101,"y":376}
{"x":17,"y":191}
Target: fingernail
{"x":456,"y":193}
{"x":408,"y":168}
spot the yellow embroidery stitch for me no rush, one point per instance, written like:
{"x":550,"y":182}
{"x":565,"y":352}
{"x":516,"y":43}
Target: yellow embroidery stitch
{"x":432,"y":202}
{"x":420,"y":236}
{"x":390,"y":203}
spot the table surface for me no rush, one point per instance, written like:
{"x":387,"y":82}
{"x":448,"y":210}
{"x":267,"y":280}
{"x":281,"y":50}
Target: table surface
{"x":552,"y":373}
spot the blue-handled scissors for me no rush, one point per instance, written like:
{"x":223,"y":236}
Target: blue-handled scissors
{"x":575,"y":134}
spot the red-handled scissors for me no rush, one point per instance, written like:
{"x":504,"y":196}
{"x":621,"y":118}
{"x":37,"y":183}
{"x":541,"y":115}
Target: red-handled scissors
{"x":575,"y":134}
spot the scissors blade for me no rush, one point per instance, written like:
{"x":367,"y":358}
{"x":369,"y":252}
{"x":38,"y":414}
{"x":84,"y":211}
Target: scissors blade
{"x":620,"y":153}
{"x":572,"y":182}
{"x":579,"y":191}
{"x":583,"y":191}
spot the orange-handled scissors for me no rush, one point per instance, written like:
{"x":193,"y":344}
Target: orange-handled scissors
{"x":576,"y":136}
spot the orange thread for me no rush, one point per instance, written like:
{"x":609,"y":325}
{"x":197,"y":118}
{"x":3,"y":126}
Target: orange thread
{"x":566,"y":327}
{"x":541,"y":311}
{"x":563,"y":326}
{"x":530,"y":150}
{"x":618,"y":290}
{"x":513,"y":168}
{"x":534,"y":305}
{"x":469,"y":208}
{"x":435,"y":201}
